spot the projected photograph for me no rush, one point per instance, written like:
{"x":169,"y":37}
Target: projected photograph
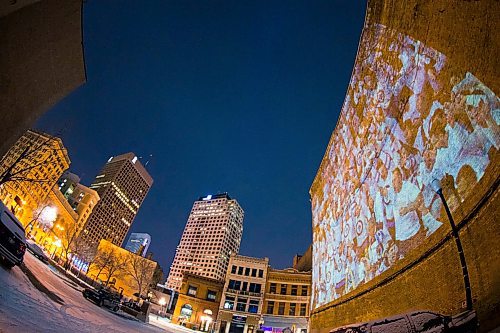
{"x":407,"y":119}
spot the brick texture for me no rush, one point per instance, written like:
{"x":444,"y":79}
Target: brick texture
{"x":430,"y":277}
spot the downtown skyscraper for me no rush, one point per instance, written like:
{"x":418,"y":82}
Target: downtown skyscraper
{"x":138,"y":243}
{"x":122,"y":185}
{"x":212,"y":233}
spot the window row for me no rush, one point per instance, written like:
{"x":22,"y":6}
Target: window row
{"x":245,"y":286}
{"x":293,"y":309}
{"x":284,"y":290}
{"x":247,"y":271}
{"x":242,"y":304}
{"x":210,"y":296}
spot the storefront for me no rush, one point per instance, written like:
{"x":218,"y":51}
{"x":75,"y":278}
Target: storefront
{"x":237,"y":323}
{"x":276,"y":324}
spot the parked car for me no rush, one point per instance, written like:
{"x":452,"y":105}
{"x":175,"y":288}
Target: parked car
{"x":36,"y":251}
{"x":12,"y":238}
{"x":416,"y":322}
{"x":132,"y":305}
{"x":103,"y":297}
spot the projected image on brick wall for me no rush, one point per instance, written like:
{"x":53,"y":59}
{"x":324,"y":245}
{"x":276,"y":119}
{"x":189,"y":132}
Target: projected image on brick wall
{"x":408,"y":118}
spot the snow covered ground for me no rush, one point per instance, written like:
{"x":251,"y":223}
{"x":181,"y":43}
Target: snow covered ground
{"x":167,"y":326}
{"x":24,"y":308}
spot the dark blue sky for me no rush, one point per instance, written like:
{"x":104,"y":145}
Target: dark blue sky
{"x":228,"y":96}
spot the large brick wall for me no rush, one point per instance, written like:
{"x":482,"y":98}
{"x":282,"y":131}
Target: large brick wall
{"x":433,"y":281}
{"x":429,"y":276}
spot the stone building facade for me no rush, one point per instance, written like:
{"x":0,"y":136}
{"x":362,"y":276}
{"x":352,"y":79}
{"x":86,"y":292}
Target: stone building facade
{"x":243,"y":299}
{"x":198,"y":302}
{"x":286,"y":301}
{"x":70,"y":217}
{"x":122,"y":270}
{"x":35,"y":161}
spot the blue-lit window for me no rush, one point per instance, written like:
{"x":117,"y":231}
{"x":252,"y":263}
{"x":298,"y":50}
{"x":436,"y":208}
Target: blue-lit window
{"x":253,"y":307}
{"x":241,"y":304}
{"x":192,"y":291}
{"x":229,"y":303}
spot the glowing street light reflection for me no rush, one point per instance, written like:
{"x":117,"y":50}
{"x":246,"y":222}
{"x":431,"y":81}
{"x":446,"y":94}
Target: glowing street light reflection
{"x":48,"y":215}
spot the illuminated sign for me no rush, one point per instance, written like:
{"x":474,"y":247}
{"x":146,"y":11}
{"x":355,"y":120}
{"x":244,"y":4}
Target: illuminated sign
{"x":407,"y":119}
{"x":238,"y":321}
{"x":208,"y":197}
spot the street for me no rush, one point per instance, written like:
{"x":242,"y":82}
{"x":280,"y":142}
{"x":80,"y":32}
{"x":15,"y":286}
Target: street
{"x":25,"y":308}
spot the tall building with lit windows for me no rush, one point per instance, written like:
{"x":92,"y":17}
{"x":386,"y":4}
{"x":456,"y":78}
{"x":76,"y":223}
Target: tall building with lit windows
{"x":212,"y":233}
{"x":122,"y":185}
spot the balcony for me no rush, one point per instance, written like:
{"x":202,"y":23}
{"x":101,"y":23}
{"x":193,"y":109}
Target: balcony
{"x":243,"y":293}
{"x":271,"y":296}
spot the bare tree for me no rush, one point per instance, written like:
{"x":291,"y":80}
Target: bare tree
{"x":141,"y":270}
{"x":37,"y":214}
{"x":83,"y":251}
{"x":158,"y":276}
{"x":20,"y":169}
{"x":109,"y":263}
{"x":68,"y":236}
{"x":102,"y":260}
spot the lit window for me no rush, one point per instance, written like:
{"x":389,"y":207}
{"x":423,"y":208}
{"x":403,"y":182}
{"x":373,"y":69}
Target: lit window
{"x":192,"y":291}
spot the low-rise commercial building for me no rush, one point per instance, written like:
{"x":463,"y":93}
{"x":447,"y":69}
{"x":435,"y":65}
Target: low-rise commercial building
{"x":198,"y":302}
{"x":59,"y":220}
{"x":128,"y":273}
{"x":241,"y":306}
{"x":286,"y":301}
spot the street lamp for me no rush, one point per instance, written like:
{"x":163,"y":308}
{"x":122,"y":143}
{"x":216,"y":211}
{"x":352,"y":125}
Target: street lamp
{"x":436,"y":185}
{"x":57,"y":244}
{"x":206,"y":320}
{"x":162,"y":303}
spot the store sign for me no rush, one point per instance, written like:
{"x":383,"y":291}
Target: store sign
{"x":239,"y":321}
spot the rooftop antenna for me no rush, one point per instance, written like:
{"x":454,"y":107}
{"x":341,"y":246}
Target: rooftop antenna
{"x":149,"y":158}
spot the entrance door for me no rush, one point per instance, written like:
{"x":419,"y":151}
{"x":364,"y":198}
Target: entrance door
{"x":236,"y":328}
{"x":222,"y":328}
{"x":237,"y":324}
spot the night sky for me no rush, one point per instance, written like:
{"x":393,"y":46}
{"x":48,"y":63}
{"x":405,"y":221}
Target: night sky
{"x":228,"y":96}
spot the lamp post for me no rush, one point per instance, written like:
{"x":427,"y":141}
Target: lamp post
{"x":57,"y":244}
{"x":162,"y":303}
{"x":436,"y":185}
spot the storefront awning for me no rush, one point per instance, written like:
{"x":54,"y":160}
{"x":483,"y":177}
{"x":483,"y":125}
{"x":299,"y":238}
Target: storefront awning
{"x":282,"y":322}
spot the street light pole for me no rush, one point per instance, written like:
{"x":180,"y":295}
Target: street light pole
{"x":454,"y":231}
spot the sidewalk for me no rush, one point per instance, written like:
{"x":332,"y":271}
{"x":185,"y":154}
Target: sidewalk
{"x":167,"y":325}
